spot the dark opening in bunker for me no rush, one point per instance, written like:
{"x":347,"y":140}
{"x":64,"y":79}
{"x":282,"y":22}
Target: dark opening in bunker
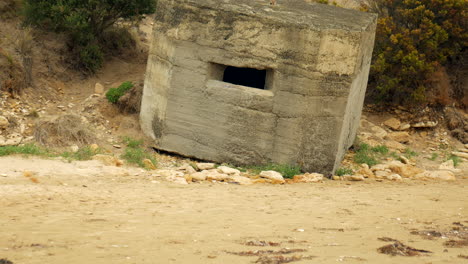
{"x":245,"y":76}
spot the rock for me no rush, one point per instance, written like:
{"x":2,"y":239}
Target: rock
{"x":404,"y":126}
{"x":425,"y":124}
{"x":391,"y":144}
{"x":353,"y":177}
{"x":94,"y":147}
{"x":460,"y":154}
{"x":108,"y":160}
{"x":449,"y":165}
{"x":466,"y":146}
{"x":378,"y":131}
{"x":383,"y":174}
{"x":98,"y":88}
{"x":336,"y":178}
{"x":4,"y":123}
{"x":272,"y":175}
{"x":365,"y":171}
{"x":443,"y":175}
{"x":205,"y":166}
{"x":394,"y":177}
{"x":379,"y":167}
{"x":308,"y":177}
{"x":401,"y":137}
{"x":240,"y":180}
{"x":228,"y":170}
{"x":198,"y":176}
{"x":74,"y":148}
{"x":407,"y":171}
{"x":404,"y":159}
{"x":148,"y":164}
{"x":393,"y":123}
{"x":187,"y":169}
{"x":12,"y":140}
{"x":178,"y":180}
{"x":214,"y":175}
{"x":169,"y":173}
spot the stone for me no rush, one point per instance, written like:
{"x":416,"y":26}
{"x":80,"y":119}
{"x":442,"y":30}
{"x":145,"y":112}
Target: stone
{"x":460,"y":154}
{"x":393,"y":177}
{"x":205,"y":166}
{"x":392,"y":144}
{"x":148,"y":164}
{"x":107,"y":160}
{"x":198,"y":176}
{"x":379,"y":132}
{"x":425,"y":124}
{"x":12,"y":140}
{"x":383,"y":174}
{"x":214,"y":175}
{"x":240,"y":180}
{"x":443,"y":175}
{"x":4,"y":123}
{"x":302,"y":109}
{"x":404,"y":126}
{"x":393,"y":123}
{"x":169,"y":173}
{"x":406,"y":171}
{"x":272,"y":175}
{"x":365,"y":171}
{"x":98,"y":88}
{"x":94,"y":147}
{"x":187,"y":169}
{"x":228,"y":170}
{"x":404,"y":159}
{"x":178,"y":180}
{"x":450,"y":166}
{"x":401,"y":137}
{"x":379,"y":167}
{"x":74,"y":148}
{"x":353,"y":177}
{"x":308,"y":178}
{"x":466,"y":146}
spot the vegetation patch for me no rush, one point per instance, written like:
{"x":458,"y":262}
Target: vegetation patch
{"x":135,"y":154}
{"x":64,"y":131}
{"x":89,"y":25}
{"x":288,"y":171}
{"x":344,"y":171}
{"x":85,"y":153}
{"x":27,"y":149}
{"x":365,"y":154}
{"x":114,"y":94}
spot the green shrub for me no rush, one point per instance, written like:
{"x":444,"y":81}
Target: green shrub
{"x":456,"y":160}
{"x":344,"y":171}
{"x":135,"y":154}
{"x":85,"y":22}
{"x":414,"y":38}
{"x":27,"y":149}
{"x":85,"y":153}
{"x":114,"y":94}
{"x":370,"y":155}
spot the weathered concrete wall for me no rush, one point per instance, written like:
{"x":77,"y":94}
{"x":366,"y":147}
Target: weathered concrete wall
{"x":317,"y":59}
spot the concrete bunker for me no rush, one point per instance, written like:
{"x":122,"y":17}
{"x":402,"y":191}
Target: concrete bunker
{"x":243,"y":82}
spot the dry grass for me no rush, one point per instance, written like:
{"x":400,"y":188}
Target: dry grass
{"x":64,"y":131}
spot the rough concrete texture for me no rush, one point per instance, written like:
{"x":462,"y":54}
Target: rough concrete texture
{"x":316,"y":58}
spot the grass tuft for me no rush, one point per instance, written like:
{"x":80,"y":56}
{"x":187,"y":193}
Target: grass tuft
{"x":344,"y":171}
